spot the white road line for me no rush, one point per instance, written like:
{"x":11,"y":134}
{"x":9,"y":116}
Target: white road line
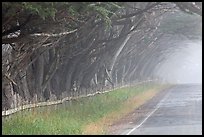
{"x":158,"y":105}
{"x":142,"y":121}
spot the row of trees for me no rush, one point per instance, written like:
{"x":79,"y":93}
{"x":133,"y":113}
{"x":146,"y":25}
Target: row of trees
{"x":52,"y":50}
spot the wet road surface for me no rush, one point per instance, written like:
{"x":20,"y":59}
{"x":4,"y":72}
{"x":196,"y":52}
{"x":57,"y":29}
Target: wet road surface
{"x":179,"y":112}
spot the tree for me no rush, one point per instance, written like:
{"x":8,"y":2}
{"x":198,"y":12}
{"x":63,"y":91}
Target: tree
{"x":52,"y":50}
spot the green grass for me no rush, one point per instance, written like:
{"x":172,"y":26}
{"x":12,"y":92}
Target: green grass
{"x":70,"y":117}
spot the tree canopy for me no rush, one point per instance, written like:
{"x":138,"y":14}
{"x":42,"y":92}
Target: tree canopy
{"x":57,"y":49}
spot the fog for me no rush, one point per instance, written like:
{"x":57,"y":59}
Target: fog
{"x":183,"y":65}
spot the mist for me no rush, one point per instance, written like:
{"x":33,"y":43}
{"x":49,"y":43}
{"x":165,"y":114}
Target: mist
{"x":183,"y":65}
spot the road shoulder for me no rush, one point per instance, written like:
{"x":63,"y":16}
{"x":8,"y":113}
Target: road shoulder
{"x":137,"y":115}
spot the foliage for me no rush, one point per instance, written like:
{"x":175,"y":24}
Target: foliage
{"x":106,"y":10}
{"x":182,"y":24}
{"x":44,"y":9}
{"x":76,"y":9}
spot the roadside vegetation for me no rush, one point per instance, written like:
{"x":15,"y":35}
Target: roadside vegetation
{"x":91,"y":115}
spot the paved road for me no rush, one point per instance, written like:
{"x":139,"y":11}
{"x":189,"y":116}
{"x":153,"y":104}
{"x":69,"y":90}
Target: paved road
{"x":179,"y":112}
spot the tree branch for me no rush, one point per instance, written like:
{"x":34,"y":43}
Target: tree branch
{"x":121,"y":36}
{"x":54,"y":35}
{"x":12,"y":40}
{"x":139,"y":12}
{"x":6,"y":76}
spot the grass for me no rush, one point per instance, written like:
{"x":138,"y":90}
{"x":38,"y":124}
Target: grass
{"x":89,"y":115}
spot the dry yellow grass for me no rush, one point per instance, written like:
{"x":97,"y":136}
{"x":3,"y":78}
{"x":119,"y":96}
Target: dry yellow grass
{"x":101,"y":125}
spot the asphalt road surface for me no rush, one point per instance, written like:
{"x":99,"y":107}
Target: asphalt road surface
{"x":178,"y":112}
